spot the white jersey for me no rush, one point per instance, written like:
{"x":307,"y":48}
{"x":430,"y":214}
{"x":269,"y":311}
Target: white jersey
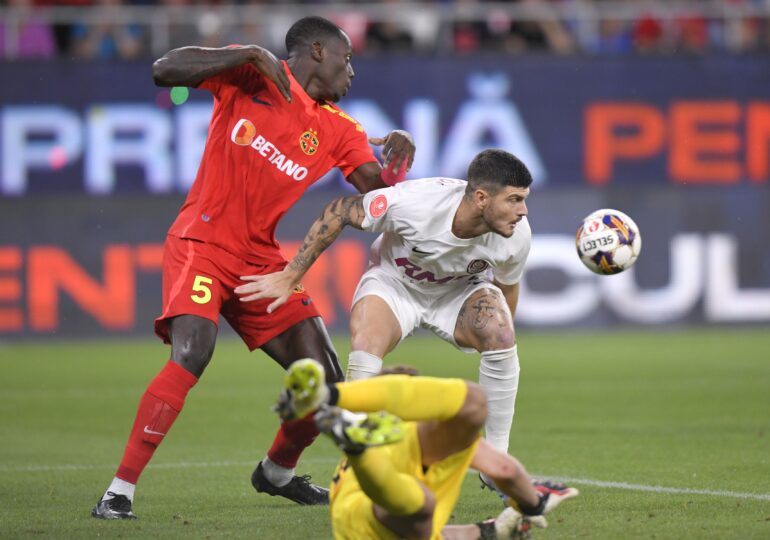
{"x":418,"y":247}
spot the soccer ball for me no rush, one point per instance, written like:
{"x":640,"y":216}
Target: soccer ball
{"x":608,"y":241}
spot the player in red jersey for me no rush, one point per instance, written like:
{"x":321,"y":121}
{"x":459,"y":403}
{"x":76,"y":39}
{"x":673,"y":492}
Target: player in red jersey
{"x":274,"y":131}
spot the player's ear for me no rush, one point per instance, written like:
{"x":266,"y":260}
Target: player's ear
{"x":317,"y":51}
{"x":481,"y":197}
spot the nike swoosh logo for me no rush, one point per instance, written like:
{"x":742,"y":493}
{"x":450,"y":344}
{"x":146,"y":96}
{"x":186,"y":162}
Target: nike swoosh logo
{"x":421,"y":252}
{"x":255,"y":99}
{"x":148,"y":431}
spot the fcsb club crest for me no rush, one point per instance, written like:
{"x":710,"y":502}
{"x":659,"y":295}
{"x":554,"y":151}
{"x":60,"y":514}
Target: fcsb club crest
{"x":308,"y":142}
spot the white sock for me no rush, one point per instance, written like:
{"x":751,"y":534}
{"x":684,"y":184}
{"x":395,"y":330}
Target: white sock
{"x":362,"y":365}
{"x":275,"y":474}
{"x":499,"y":376}
{"x":120,"y":487}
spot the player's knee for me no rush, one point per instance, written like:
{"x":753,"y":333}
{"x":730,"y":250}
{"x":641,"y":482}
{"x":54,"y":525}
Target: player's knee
{"x":474,"y":410}
{"x":360,"y":341}
{"x":496,"y":339}
{"x":193,"y":357}
{"x":370,"y":342}
{"x":193,"y":350}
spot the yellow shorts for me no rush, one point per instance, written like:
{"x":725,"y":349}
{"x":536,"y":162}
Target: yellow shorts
{"x":353,"y":512}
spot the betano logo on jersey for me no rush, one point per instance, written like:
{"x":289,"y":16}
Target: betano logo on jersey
{"x":308,"y":142}
{"x":245,"y":134}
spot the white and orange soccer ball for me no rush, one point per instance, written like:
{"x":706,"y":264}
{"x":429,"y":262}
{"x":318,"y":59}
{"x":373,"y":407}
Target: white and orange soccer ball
{"x":608,"y":241}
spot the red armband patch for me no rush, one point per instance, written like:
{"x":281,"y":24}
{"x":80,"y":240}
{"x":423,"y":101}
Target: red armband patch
{"x":378,"y":206}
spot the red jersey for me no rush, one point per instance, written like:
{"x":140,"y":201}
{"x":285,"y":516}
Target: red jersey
{"x":261,"y":154}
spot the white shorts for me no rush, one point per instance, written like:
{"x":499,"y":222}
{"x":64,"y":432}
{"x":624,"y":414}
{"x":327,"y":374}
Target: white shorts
{"x":436,"y":311}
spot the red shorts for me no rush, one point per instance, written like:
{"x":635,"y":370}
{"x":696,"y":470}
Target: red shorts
{"x":199,"y":278}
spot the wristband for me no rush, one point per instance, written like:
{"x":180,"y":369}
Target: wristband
{"x":535,"y":510}
{"x":391,"y":177}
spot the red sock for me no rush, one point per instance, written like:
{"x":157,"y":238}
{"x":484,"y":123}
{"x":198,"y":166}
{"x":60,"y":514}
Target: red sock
{"x":291,"y":441}
{"x":158,"y":408}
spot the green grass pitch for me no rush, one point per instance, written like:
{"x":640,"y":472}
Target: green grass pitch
{"x":689,"y":411}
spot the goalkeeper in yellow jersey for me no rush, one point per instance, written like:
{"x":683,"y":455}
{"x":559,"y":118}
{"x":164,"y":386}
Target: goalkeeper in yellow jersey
{"x":408,"y":443}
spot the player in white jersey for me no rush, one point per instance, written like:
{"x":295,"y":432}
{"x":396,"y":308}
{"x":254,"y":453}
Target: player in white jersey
{"x":449,"y":259}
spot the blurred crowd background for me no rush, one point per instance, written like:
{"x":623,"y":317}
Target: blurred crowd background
{"x":658,"y":108}
{"x":108,"y":29}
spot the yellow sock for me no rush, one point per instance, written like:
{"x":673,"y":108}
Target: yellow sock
{"x":398,"y":493}
{"x":411,"y":398}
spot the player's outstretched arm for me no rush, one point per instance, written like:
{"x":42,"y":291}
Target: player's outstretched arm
{"x":336,"y":216}
{"x":508,"y":473}
{"x":398,"y":156}
{"x":533,"y":499}
{"x":189,"y":66}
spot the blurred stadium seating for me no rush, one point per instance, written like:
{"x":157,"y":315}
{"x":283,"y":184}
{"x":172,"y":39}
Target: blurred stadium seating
{"x":142,"y":28}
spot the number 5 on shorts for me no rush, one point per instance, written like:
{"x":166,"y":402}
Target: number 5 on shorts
{"x":200,"y":285}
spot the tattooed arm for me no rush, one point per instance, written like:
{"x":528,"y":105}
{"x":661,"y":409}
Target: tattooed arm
{"x":190,"y":66}
{"x":337,"y":214}
{"x":335,"y":217}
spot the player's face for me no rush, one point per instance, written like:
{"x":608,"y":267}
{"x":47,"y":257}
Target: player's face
{"x":335,"y":72}
{"x":505,"y":209}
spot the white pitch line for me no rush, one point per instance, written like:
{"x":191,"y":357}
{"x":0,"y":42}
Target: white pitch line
{"x":569,"y":480}
{"x":662,"y":489}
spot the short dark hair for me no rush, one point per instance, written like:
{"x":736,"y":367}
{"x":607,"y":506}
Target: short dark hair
{"x":494,"y":169}
{"x":307,"y":30}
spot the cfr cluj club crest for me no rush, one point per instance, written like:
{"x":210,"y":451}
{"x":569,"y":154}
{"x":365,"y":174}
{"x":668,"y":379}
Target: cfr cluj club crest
{"x":308,"y":142}
{"x":477,"y":265}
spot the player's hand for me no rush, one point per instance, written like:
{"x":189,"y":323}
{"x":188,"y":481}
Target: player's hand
{"x":272,"y":68}
{"x":279,"y":285}
{"x":554,"y":492}
{"x":551,"y":495}
{"x":398,"y":147}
